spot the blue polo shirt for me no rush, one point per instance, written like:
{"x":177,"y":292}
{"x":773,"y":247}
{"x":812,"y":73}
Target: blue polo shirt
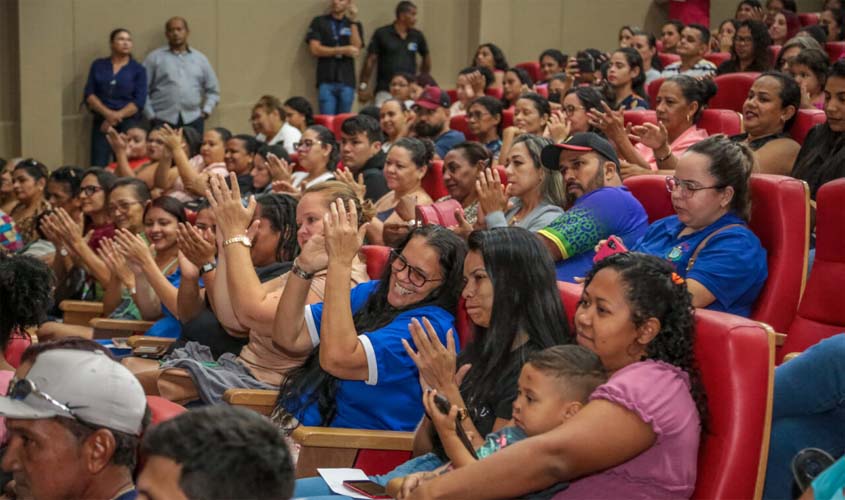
{"x":594,"y":217}
{"x":116,"y":90}
{"x":448,"y":141}
{"x":732,"y":266}
{"x":390,"y":398}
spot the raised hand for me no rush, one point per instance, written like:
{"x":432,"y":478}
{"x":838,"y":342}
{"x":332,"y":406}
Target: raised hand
{"x":193,"y":246}
{"x":612,"y":123}
{"x":559,"y":126}
{"x":343,"y":236}
{"x":435,"y":362}
{"x":475,"y":84}
{"x":651,"y":135}
{"x":232,"y":217}
{"x":406,"y":208}
{"x":627,"y":169}
{"x":491,"y":193}
{"x":285,"y":187}
{"x":116,"y":263}
{"x":279,"y":169}
{"x":463,"y":228}
{"x":116,"y":140}
{"x":134,"y":249}
{"x":346,"y":177}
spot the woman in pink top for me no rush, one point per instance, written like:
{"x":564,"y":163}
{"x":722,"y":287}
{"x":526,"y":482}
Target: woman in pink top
{"x":679,"y":104}
{"x":638,"y":436}
{"x":189,"y":180}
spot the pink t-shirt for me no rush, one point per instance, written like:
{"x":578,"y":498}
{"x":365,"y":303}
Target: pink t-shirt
{"x":680,"y":144}
{"x":659,"y":393}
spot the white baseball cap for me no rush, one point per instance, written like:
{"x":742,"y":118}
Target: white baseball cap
{"x":83,"y":385}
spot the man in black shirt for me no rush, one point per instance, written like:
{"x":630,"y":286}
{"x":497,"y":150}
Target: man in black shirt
{"x":394,"y":48}
{"x":335,"y":40}
{"x":361,"y":140}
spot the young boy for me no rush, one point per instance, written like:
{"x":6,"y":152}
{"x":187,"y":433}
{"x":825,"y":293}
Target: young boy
{"x":554,"y":385}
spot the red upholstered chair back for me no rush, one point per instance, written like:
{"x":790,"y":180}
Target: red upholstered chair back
{"x":733,"y":89}
{"x":459,"y":123}
{"x":338,"y":122}
{"x":806,"y":119}
{"x":325,"y":120}
{"x":494,"y":92}
{"x":507,"y":117}
{"x":441,"y":213}
{"x":162,"y":409}
{"x":834,"y":50}
{"x":433,"y":181}
{"x":667,"y":59}
{"x":533,"y":69}
{"x":718,"y":58}
{"x":780,"y":218}
{"x":652,"y":90}
{"x":453,"y":94}
{"x":651,"y":192}
{"x":503,"y":175}
{"x":543,"y":91}
{"x":774,"y":52}
{"x":821,"y":313}
{"x":808,"y":18}
{"x":376,"y":257}
{"x":720,"y":121}
{"x":735,"y":357}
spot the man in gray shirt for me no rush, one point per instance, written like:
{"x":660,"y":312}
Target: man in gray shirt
{"x":183,"y":88}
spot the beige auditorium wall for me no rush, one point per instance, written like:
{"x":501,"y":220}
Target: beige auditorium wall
{"x":9,"y":81}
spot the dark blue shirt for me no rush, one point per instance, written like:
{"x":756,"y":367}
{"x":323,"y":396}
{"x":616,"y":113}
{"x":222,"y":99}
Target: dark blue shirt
{"x":448,"y":141}
{"x":732,"y":266}
{"x":117,"y":90}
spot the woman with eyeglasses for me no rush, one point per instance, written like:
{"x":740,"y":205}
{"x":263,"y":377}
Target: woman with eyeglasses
{"x":358,"y":374}
{"x":515,"y":309}
{"x":406,"y":164}
{"x":680,"y":103}
{"x":708,"y":239}
{"x":318,"y":154}
{"x":750,"y":49}
{"x":484,"y":119}
{"x":29,"y":179}
{"x":577,"y":104}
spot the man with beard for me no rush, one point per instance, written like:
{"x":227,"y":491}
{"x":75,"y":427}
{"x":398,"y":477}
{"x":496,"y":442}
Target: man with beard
{"x":432,"y":110}
{"x":599,"y":206}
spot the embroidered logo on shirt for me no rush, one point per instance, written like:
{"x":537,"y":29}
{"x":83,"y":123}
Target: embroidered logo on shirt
{"x":412,"y":46}
{"x":677,"y":252}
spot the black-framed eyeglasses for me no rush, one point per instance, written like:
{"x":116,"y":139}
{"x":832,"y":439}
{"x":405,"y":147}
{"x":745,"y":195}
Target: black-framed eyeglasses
{"x":90,"y":190}
{"x":20,"y":389}
{"x":686,"y":188}
{"x":306,"y":144}
{"x":415,"y":275}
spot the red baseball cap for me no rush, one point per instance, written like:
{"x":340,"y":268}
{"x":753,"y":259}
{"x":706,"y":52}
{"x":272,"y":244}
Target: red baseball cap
{"x":433,"y":98}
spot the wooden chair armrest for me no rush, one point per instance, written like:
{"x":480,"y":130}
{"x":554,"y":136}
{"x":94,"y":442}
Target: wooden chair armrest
{"x":332,"y":437}
{"x":108,"y":328}
{"x":143,"y":340}
{"x":258,"y":400}
{"x":791,"y":355}
{"x":81,"y":306}
{"x":780,"y":339}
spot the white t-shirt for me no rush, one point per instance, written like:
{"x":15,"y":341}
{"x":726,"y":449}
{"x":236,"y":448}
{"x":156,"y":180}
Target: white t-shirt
{"x":298,"y":177}
{"x":288,"y":135}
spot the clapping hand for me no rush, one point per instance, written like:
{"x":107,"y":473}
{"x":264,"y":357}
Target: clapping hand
{"x":232,"y":217}
{"x":346,"y":177}
{"x":280,"y":170}
{"x":491,"y":193}
{"x":651,"y":135}
{"x":343,"y":235}
{"x":116,"y":262}
{"x":559,"y":126}
{"x":134,"y":249}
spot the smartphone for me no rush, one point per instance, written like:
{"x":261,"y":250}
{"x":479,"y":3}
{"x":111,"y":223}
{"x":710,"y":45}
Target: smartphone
{"x":586,"y":64}
{"x":367,"y":488}
{"x":445,"y":406}
{"x":149,"y":351}
{"x":613,"y":245}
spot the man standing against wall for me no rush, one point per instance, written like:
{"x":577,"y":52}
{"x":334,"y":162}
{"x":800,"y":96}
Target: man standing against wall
{"x":335,"y":40}
{"x":183,"y":88}
{"x":394,"y":49}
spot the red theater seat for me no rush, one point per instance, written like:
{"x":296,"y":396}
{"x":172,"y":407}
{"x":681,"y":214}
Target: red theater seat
{"x":733,"y":89}
{"x":667,"y":59}
{"x":720,"y":121}
{"x":376,"y":257}
{"x":718,"y":58}
{"x":821,"y":313}
{"x":459,"y":123}
{"x":651,"y":192}
{"x":808,"y":18}
{"x":325,"y":120}
{"x":780,"y":218}
{"x":834,"y":50}
{"x":533,"y":69}
{"x":543,"y":91}
{"x":735,"y":357}
{"x":162,"y":409}
{"x":652,"y":90}
{"x":806,"y":119}
{"x":433,"y":181}
{"x":507,"y":117}
{"x":338,"y":122}
{"x":774,"y":51}
{"x":453,"y":94}
{"x":494,"y":92}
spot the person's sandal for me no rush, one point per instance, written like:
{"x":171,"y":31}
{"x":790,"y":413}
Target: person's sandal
{"x":808,"y":464}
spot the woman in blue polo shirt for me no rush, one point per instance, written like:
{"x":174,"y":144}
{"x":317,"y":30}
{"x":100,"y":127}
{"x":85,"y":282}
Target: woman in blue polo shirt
{"x":358,"y":374}
{"x":708,"y":240}
{"x":116,"y":92}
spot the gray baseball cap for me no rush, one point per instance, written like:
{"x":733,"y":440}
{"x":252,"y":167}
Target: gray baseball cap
{"x":79,"y":384}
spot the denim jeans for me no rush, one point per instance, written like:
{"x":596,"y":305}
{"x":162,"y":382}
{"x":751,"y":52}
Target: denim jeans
{"x":314,"y":488}
{"x":808,"y":411}
{"x":101,"y":153}
{"x":335,"y":98}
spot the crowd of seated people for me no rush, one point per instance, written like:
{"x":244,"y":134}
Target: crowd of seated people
{"x":248,"y":257}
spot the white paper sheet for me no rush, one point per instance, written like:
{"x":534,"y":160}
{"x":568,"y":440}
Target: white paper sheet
{"x":335,"y":478}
